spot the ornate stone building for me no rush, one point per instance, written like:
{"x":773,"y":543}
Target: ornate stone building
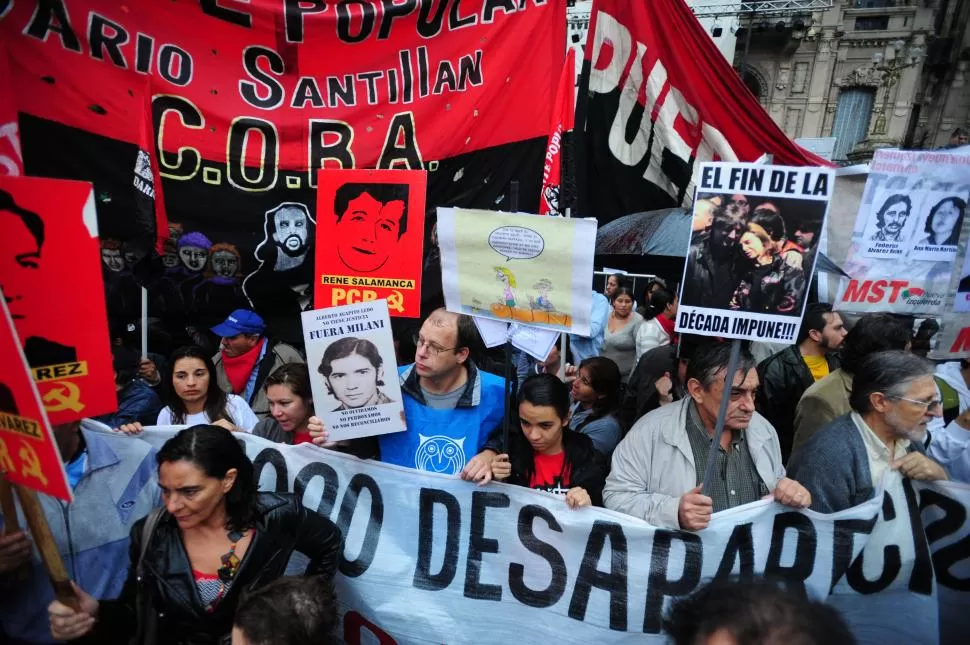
{"x":870,"y":73}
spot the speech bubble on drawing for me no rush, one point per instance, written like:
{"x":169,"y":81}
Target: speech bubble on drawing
{"x":516,"y":242}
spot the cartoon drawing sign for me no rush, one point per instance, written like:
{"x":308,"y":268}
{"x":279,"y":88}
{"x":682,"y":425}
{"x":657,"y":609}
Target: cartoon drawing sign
{"x":370,"y":228}
{"x":28,"y":453}
{"x":747,"y":272}
{"x":51,"y":277}
{"x":518,"y":268}
{"x":353,"y":370}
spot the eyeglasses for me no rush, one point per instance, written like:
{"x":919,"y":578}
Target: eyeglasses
{"x":927,"y":405}
{"x":433,"y":349}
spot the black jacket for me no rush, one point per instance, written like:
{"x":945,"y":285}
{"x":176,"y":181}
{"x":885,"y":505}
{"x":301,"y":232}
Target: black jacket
{"x":282,"y":526}
{"x":641,"y":395}
{"x":784,"y":378}
{"x":587,"y":465}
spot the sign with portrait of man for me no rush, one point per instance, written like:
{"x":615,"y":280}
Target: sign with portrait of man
{"x":50,"y":272}
{"x":28,"y":451}
{"x":353,"y":370}
{"x":370,"y":232}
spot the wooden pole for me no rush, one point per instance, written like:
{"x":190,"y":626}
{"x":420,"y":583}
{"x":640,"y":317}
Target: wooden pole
{"x":49,"y":555}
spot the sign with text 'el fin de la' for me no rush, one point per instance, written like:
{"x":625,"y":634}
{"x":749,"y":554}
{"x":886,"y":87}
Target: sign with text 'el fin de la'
{"x":28,"y":453}
{"x":51,"y":275}
{"x":752,"y":250}
{"x":515,"y":267}
{"x":370,"y":238}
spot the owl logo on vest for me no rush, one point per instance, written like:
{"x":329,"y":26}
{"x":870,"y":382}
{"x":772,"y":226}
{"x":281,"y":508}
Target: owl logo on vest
{"x":440,"y":454}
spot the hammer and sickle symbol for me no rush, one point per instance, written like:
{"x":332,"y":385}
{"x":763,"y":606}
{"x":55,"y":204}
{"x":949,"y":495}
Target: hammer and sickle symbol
{"x":63,"y":395}
{"x":6,"y":461}
{"x":395,"y":301}
{"x":30,"y":464}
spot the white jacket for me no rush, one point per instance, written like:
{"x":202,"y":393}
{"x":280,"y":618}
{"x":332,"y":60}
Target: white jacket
{"x":950,"y":445}
{"x":650,"y":335}
{"x":654,"y":465}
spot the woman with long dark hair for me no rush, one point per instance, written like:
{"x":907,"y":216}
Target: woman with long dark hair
{"x":546,"y":454}
{"x":620,"y":338}
{"x":769,"y":285}
{"x":657,"y":328}
{"x":944,"y":222}
{"x":215,"y":539}
{"x":197,"y":398}
{"x":596,"y":403}
{"x":290,"y":405}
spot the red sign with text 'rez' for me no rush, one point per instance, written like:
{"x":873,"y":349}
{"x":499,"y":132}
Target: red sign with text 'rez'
{"x":370,"y":238}
{"x":875,"y":291}
{"x":28,"y":453}
{"x":51,"y":277}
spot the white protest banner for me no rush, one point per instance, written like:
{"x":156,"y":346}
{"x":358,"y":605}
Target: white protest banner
{"x":746,"y":274}
{"x":432,"y":559}
{"x":516,"y":267}
{"x":906,"y":237}
{"x":353,"y":370}
{"x":953,"y":339}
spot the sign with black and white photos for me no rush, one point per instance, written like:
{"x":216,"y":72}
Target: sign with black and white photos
{"x":752,"y":250}
{"x":353,"y":370}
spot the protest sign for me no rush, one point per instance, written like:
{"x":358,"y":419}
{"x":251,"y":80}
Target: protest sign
{"x":353,"y":370}
{"x":249,"y":100}
{"x":906,"y":236}
{"x":746,"y":276}
{"x":518,"y":268}
{"x":28,"y":452}
{"x":370,"y":238}
{"x":432,"y":559}
{"x":51,"y":275}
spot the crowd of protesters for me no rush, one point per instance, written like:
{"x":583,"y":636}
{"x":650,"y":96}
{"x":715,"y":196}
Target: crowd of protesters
{"x":623,"y":418}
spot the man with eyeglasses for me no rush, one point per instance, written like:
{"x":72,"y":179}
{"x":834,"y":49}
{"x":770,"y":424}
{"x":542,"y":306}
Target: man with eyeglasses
{"x":451,"y":406}
{"x":893,"y":399}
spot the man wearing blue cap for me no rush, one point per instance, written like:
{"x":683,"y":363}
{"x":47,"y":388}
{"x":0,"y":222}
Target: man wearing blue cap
{"x":246,"y":357}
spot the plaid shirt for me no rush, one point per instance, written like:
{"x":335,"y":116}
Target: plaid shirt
{"x":736,"y":480}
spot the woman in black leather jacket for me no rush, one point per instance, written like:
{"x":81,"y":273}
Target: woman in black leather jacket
{"x":216,"y":539}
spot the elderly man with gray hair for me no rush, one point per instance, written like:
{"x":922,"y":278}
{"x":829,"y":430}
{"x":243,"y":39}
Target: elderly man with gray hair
{"x":893,"y":398}
{"x":658,"y":469}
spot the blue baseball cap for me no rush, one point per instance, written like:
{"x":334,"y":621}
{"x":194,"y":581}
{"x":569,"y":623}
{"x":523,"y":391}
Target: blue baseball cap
{"x":241,"y":321}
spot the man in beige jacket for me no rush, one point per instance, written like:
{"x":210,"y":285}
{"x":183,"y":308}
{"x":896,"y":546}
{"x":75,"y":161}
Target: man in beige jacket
{"x":659,"y":467}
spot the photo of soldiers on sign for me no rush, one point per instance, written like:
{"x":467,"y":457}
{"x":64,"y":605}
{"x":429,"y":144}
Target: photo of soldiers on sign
{"x":752,"y":250}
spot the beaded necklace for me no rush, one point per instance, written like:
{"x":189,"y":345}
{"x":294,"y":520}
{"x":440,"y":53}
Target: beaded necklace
{"x":225,"y":573}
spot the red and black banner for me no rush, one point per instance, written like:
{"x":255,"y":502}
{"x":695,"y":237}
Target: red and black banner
{"x":249,"y":99}
{"x":657,"y":98}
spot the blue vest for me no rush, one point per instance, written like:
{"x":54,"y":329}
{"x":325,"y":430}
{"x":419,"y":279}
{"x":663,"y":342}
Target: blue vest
{"x":442,"y":441}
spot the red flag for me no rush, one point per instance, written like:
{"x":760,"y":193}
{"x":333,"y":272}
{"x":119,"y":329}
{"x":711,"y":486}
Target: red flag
{"x":11,"y":159}
{"x":658,"y":99}
{"x":563,"y":119}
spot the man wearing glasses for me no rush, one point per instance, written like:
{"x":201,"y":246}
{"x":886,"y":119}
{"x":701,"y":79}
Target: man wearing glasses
{"x":450,"y":405}
{"x":712,"y":262}
{"x":893,"y":399}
